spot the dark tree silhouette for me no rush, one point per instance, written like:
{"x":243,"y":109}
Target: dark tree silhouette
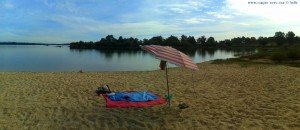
{"x":183,"y":40}
{"x":201,"y":40}
{"x":172,"y":41}
{"x":279,"y":38}
{"x":158,"y":40}
{"x":211,"y":41}
{"x":263,"y":41}
{"x":191,"y":40}
{"x":290,"y":37}
{"x":187,"y":41}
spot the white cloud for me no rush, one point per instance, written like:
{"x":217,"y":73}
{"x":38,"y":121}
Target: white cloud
{"x":198,"y":20}
{"x":182,"y":7}
{"x":7,"y":4}
{"x":61,"y":5}
{"x":244,"y":24}
{"x":78,"y":20}
{"x":219,"y":15}
{"x":178,"y":10}
{"x":196,"y":3}
{"x":141,"y":29}
{"x":223,"y":16}
{"x":82,"y":25}
{"x":211,"y":13}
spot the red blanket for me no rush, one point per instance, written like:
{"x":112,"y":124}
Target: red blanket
{"x":113,"y":104}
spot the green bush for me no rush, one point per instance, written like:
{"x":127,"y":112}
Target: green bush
{"x":279,"y":56}
{"x":293,"y":54}
{"x":257,"y":56}
{"x":286,"y":53}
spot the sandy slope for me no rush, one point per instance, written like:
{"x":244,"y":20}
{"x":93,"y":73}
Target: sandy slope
{"x":220,"y":96}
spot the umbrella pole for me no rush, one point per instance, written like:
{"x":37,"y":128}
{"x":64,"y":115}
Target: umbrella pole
{"x":193,"y":82}
{"x":168,"y":97}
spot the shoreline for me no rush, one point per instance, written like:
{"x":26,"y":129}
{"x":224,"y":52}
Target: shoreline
{"x":220,"y":96}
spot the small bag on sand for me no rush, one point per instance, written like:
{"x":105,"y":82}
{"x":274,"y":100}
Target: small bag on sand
{"x":103,"y":90}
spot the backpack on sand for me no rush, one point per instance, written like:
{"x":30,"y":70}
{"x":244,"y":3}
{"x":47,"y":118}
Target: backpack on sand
{"x":103,"y":90}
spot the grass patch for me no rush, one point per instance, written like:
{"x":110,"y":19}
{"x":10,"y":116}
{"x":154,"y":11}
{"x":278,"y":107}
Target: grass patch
{"x":279,"y":56}
{"x":241,"y":61}
{"x":284,"y":56}
{"x":227,"y":61}
{"x":294,"y":54}
{"x":291,"y":53}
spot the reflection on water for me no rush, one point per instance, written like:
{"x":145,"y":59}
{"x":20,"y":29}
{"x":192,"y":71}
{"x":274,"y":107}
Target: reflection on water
{"x":109,"y":53}
{"x":54,"y":59}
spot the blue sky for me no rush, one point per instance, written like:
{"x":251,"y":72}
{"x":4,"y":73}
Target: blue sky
{"x":64,"y":21}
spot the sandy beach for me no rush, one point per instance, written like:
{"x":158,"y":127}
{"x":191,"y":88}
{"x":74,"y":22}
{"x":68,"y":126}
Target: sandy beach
{"x":220,"y":96}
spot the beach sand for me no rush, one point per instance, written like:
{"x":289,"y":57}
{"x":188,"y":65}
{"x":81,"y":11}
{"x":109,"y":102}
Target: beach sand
{"x":220,"y":96}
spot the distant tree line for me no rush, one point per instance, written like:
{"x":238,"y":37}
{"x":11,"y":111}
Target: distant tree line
{"x":279,"y":39}
{"x":108,"y":42}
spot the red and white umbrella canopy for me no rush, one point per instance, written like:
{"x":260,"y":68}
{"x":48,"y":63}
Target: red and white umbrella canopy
{"x":171,"y":55}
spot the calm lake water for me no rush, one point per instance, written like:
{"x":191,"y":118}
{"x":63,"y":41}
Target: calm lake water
{"x":39,"y":58}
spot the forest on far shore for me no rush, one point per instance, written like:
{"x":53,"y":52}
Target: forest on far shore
{"x":279,"y":39}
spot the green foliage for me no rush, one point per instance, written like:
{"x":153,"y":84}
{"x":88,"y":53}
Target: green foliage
{"x":108,"y":42}
{"x":279,"y":39}
{"x":294,"y":54}
{"x":290,"y":37}
{"x":279,"y":56}
{"x":230,"y":61}
{"x":263,"y":41}
{"x":211,"y":41}
{"x":286,"y":54}
{"x":191,"y":40}
{"x":257,"y":56}
{"x":291,"y":53}
{"x":157,"y":40}
{"x":201,"y":40}
{"x":172,"y":40}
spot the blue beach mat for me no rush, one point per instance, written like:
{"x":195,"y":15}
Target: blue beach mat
{"x":132,"y":96}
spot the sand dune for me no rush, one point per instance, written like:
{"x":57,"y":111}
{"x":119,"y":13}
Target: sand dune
{"x":220,"y":96}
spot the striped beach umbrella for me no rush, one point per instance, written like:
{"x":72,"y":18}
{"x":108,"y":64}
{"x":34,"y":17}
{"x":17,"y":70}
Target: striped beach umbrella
{"x":171,"y":55}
